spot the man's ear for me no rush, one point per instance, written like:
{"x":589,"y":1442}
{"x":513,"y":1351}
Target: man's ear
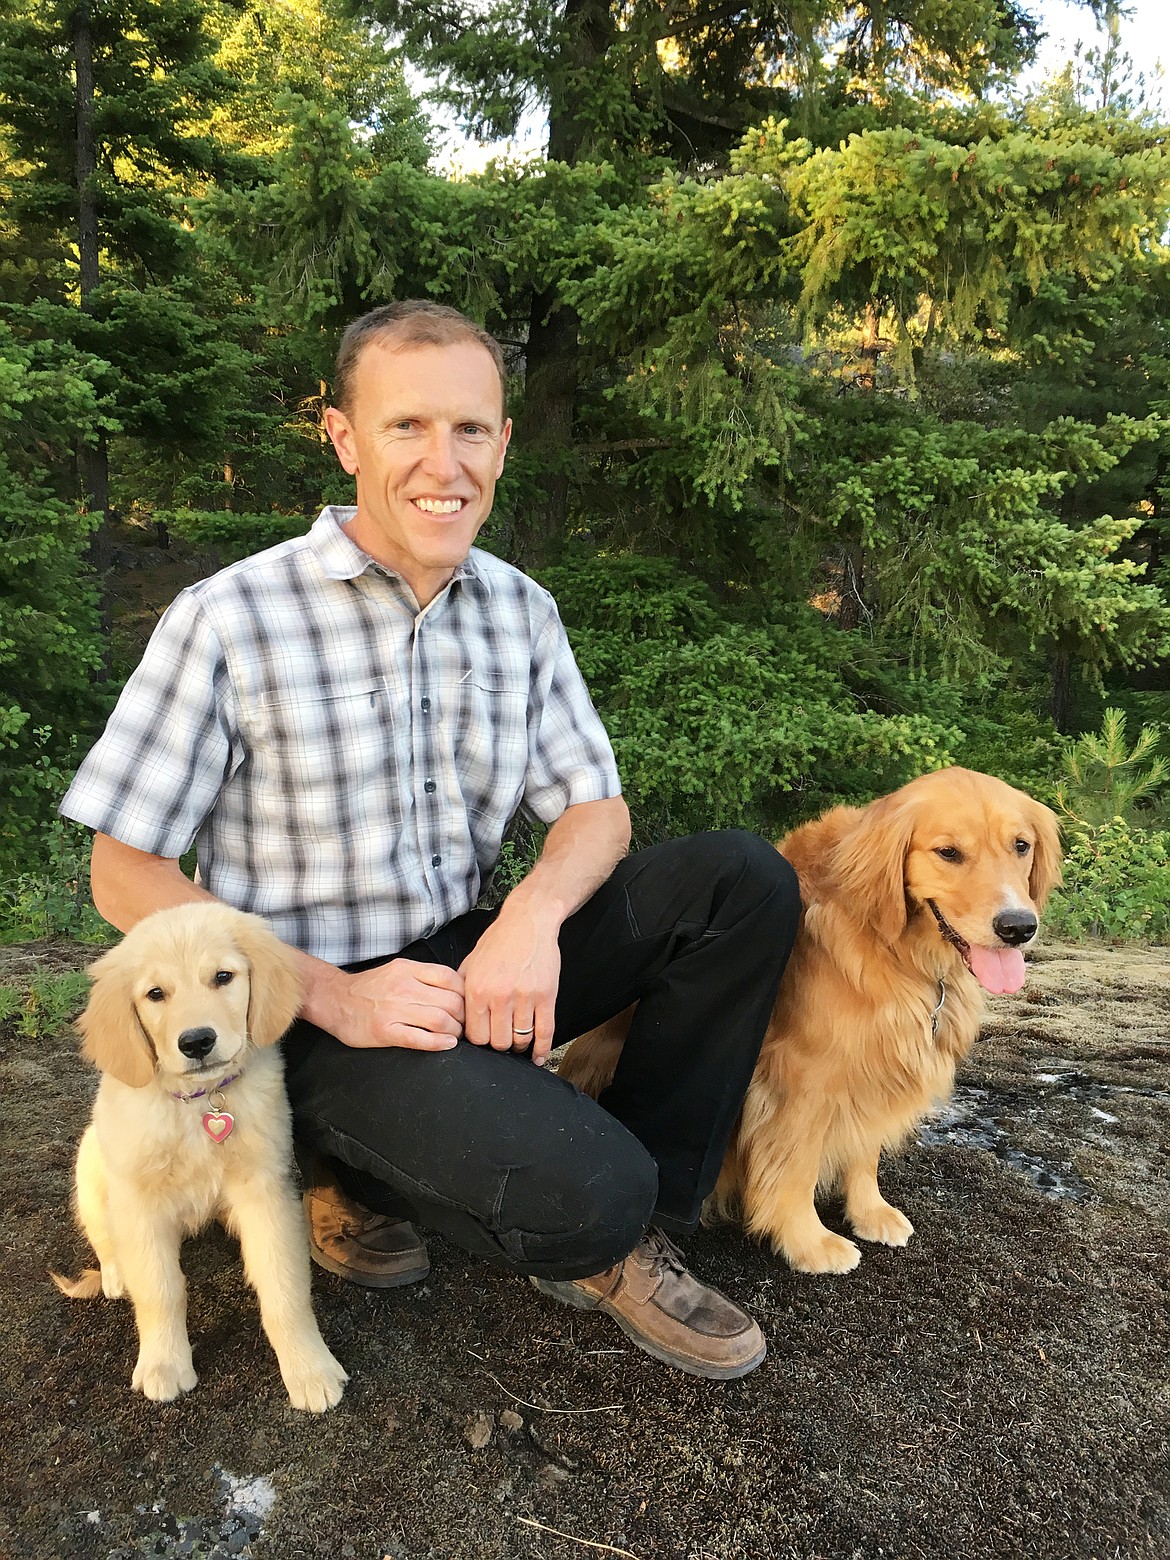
{"x":337,"y":426}
{"x":505,"y":436}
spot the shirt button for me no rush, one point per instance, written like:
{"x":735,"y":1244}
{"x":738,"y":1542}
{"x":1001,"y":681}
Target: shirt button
{"x":428,"y":786}
{"x":425,"y":706}
{"x":436,"y":861}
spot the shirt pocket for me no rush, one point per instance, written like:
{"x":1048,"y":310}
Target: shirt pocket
{"x":490,"y":740}
{"x":326,"y":756}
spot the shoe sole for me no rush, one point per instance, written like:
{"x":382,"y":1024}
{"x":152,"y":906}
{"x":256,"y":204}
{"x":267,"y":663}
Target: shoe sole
{"x":413,"y":1275}
{"x":568,"y":1294}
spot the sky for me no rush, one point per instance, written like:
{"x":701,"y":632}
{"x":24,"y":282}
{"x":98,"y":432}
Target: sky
{"x":1145,"y":35}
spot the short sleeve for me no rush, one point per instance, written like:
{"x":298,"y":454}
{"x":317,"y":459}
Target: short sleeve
{"x":170,"y":745}
{"x":570,"y":759}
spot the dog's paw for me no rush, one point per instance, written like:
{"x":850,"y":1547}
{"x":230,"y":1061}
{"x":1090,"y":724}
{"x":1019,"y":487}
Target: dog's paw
{"x":113,"y":1286}
{"x":828,"y":1253}
{"x":885,"y":1224}
{"x":315,"y":1384}
{"x":163,"y":1380}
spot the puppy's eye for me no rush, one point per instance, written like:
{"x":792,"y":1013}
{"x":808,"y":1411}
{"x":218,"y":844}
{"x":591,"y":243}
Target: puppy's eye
{"x":224,"y":977}
{"x":1023,"y":847}
{"x":156,"y":994}
{"x":949,"y":852}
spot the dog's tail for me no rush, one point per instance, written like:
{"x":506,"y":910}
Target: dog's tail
{"x":87,"y":1287}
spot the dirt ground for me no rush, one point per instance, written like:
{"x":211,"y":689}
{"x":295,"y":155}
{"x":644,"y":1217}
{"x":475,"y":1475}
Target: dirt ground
{"x":998,"y":1388}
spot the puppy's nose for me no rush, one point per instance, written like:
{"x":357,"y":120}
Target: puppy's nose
{"x":196,"y":1043}
{"x":1011,"y":926}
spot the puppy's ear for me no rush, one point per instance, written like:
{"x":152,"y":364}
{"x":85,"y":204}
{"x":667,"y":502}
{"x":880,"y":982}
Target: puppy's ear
{"x":868,"y":866}
{"x":275,"y":991}
{"x":112,"y":1037}
{"x":1047,"y":855}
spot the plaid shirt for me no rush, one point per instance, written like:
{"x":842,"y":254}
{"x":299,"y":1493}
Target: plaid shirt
{"x":345,"y":763}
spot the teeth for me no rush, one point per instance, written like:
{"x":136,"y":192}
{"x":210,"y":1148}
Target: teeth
{"x":440,"y":506}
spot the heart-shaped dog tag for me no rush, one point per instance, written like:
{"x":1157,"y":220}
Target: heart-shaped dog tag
{"x":218,"y":1124}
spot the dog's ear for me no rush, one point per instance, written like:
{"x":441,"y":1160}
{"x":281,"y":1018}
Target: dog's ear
{"x":275,"y":989}
{"x":1046,"y":856}
{"x":112,"y":1037}
{"x":868,"y":865}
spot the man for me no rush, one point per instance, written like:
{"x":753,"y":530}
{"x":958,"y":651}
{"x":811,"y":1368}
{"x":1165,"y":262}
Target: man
{"x":344,"y":725}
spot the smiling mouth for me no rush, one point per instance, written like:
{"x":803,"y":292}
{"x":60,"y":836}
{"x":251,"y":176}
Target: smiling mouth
{"x":1000,"y":971}
{"x":440,"y":506}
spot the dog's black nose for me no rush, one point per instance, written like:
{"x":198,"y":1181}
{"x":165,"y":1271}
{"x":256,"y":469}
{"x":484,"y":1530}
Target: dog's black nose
{"x":1013,"y":926}
{"x":196,"y":1043}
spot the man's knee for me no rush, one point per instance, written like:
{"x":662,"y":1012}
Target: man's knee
{"x":744,"y":870}
{"x":582,"y":1217}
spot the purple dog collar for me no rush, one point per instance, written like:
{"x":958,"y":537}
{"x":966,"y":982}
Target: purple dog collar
{"x":200,"y":1093}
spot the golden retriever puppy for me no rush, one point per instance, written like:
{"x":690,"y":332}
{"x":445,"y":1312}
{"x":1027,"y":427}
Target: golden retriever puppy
{"x":191,"y":1121}
{"x":914,"y":907}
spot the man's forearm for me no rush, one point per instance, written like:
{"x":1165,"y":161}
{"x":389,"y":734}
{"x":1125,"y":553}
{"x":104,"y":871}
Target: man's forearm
{"x":580,"y":852}
{"x":129,"y":884}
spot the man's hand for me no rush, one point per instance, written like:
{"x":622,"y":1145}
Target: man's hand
{"x":512,"y":974}
{"x":510,"y":986}
{"x":403,"y":1003}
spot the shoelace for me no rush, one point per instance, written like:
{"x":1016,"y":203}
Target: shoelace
{"x":662,"y":1252}
{"x":352,"y":1228}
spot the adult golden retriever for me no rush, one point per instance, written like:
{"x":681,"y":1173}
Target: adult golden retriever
{"x":190,"y":1122}
{"x":913,"y":907}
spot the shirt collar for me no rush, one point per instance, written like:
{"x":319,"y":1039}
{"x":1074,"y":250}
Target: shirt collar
{"x":342,"y":559}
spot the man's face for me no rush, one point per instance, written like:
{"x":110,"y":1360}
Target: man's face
{"x":425,"y":437}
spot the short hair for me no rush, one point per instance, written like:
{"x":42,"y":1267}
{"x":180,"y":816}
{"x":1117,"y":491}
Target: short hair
{"x":412,"y":322}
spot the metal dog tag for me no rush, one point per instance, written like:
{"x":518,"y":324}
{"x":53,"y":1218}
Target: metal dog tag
{"x":217,"y":1122}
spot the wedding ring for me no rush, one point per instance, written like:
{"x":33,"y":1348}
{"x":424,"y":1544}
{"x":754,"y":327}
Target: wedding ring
{"x":531,"y":1031}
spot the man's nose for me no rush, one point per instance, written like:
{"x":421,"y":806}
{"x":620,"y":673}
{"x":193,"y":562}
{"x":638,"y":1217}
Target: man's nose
{"x":441,"y":456}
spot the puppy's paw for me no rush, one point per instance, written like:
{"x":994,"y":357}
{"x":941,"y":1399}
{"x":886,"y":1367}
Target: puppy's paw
{"x":885,"y":1224}
{"x":113,"y":1286}
{"x":315,"y":1383}
{"x":827,"y":1253}
{"x":163,"y":1379}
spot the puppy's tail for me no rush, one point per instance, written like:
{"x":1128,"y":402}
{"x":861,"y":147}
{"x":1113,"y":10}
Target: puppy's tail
{"x":87,"y":1287}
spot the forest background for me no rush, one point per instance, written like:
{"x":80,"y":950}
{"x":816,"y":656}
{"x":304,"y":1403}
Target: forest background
{"x":839,"y":368}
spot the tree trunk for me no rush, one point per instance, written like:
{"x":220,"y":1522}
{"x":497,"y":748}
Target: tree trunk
{"x":852,"y":608}
{"x":546,"y":431}
{"x":1060,"y":698}
{"x":551,"y":360}
{"x":85,"y":159}
{"x":93,"y":465}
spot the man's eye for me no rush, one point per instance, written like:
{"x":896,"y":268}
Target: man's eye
{"x":156,"y":994}
{"x":224,"y":977}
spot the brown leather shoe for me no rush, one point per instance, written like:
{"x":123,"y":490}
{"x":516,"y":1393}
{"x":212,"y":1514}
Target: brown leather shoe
{"x":667,"y":1312}
{"x":363,"y":1247}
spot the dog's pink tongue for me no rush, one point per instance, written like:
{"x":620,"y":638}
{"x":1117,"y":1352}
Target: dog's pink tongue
{"x":998,"y":970}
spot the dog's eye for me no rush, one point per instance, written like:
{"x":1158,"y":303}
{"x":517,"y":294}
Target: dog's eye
{"x":156,"y":994}
{"x":224,"y":977}
{"x":1023,"y":847}
{"x":949,"y":852}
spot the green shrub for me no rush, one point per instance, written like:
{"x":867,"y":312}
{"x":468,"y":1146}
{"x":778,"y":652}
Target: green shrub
{"x":46,"y":1005}
{"x":232,"y":535}
{"x":1116,"y":884}
{"x":44,"y":890}
{"x":741,"y":713}
{"x":1104,"y":779}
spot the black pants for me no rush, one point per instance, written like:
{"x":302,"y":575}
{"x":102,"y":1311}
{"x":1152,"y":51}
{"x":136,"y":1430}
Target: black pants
{"x":514,"y":1163}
